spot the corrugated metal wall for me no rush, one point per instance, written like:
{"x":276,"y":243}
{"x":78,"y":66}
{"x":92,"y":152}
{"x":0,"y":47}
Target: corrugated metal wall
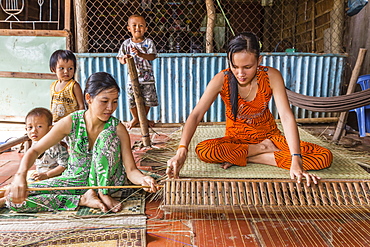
{"x":182,"y":78}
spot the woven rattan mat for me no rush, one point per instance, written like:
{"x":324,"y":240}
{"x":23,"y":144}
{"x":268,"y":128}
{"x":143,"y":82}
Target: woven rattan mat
{"x":80,"y":227}
{"x":133,"y":203}
{"x":342,"y":167}
{"x":102,"y":237}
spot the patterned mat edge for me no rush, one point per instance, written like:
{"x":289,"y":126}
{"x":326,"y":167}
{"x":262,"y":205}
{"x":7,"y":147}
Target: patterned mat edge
{"x":77,"y":237}
{"x":135,"y":205}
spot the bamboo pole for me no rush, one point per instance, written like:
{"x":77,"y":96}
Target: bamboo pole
{"x":89,"y":187}
{"x":141,"y":112}
{"x":351,"y":89}
{"x":211,"y":19}
{"x":12,"y":143}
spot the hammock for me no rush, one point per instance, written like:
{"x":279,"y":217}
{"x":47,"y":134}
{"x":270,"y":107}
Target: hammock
{"x":330,"y":104}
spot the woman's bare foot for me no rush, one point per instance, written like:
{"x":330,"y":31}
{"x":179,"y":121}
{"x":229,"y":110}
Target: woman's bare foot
{"x":268,"y":146}
{"x":112,"y":204}
{"x":226,"y":165}
{"x":91,"y":199}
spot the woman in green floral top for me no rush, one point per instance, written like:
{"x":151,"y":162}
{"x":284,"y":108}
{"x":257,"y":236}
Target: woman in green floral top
{"x":100,"y":155}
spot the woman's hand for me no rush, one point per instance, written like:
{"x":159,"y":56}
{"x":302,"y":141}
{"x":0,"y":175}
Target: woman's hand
{"x":297,"y":172}
{"x":175,"y":164}
{"x":17,"y":193}
{"x":149,"y":181}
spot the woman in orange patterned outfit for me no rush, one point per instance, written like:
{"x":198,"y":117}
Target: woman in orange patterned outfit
{"x":251,"y":132}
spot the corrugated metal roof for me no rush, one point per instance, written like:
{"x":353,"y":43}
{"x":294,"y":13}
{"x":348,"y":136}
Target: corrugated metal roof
{"x":182,"y":78}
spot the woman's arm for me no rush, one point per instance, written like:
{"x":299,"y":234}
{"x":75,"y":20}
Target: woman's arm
{"x":18,"y":187}
{"x":289,"y":126}
{"x":133,"y":174}
{"x":77,"y":91}
{"x":50,"y":174}
{"x":214,"y":87}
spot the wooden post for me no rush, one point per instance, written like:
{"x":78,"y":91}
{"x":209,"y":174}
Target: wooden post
{"x":144,"y":126}
{"x":351,"y":89}
{"x":67,"y":15}
{"x":211,"y":22}
{"x":67,"y":23}
{"x":81,"y":26}
{"x":313,"y":27}
{"x":336,"y":26}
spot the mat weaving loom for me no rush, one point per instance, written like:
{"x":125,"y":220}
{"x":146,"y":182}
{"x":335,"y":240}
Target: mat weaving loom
{"x":236,"y":195}
{"x":344,"y":184}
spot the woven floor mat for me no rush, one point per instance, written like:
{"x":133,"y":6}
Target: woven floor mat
{"x":342,"y":167}
{"x":102,"y":237}
{"x":80,"y":227}
{"x":133,"y":203}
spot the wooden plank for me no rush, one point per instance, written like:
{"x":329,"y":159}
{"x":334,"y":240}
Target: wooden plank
{"x":351,"y":88}
{"x":13,"y":143}
{"x":28,"y":75}
{"x":12,"y":119}
{"x":46,"y":33}
{"x":67,"y":23}
{"x":67,"y":15}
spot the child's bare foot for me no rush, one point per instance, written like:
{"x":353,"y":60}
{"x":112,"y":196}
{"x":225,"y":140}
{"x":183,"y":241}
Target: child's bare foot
{"x":268,"y":146}
{"x":2,"y":202}
{"x":91,"y":199}
{"x":112,"y":204}
{"x":2,"y":194}
{"x":226,"y":165}
{"x":132,"y":123}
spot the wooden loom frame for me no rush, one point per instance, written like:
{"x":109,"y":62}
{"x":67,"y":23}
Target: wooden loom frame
{"x":270,"y":194}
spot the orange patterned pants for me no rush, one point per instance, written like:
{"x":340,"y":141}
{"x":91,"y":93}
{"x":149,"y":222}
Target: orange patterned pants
{"x":235,"y":151}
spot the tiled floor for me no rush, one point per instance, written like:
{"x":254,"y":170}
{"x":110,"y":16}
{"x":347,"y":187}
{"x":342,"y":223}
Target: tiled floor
{"x":261,"y":229}
{"x":264,"y":228}
{"x":9,"y":162}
